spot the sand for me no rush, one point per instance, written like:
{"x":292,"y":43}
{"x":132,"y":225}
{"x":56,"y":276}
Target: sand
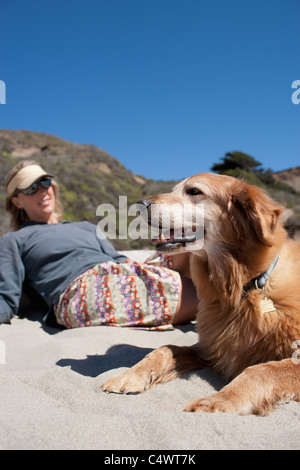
{"x":50,"y":395}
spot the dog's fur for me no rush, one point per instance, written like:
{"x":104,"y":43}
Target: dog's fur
{"x":243,"y":233}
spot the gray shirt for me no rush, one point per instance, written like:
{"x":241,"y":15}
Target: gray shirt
{"x":48,"y":257}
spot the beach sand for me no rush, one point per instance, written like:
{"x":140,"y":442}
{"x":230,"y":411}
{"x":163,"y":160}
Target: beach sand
{"x":50,"y":395}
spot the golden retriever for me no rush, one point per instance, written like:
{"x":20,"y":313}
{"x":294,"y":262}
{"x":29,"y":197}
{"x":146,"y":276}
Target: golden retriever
{"x":247,"y":275}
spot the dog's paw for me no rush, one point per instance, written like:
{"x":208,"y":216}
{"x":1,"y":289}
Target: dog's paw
{"x":125,"y":383}
{"x":210,"y":405}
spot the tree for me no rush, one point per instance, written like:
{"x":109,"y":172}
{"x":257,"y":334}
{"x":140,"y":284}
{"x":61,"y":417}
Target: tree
{"x":236,"y":160}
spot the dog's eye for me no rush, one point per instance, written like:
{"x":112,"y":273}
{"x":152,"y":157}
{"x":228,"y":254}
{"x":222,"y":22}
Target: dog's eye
{"x":194,"y":191}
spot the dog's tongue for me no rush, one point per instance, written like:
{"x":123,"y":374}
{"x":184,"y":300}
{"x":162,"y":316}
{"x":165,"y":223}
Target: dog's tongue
{"x":164,"y":237}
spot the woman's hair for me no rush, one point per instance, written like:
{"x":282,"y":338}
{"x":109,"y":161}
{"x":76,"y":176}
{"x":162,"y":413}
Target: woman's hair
{"x":18,"y":216}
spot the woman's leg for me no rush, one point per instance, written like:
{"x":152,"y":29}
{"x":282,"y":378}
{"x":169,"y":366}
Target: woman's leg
{"x":187,"y":304}
{"x":181,"y":264}
{"x":188,"y":301}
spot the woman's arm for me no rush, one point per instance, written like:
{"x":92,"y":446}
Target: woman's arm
{"x":12,"y":274}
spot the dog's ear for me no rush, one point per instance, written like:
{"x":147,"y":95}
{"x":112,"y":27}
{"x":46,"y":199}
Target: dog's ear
{"x":257,"y":210}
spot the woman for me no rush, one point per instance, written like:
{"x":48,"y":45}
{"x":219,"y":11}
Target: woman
{"x":84,"y":280}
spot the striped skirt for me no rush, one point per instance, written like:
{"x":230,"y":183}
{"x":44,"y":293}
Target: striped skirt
{"x":125,"y":294}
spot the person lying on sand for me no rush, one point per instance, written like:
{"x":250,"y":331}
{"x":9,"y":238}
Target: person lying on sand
{"x":83,"y":279}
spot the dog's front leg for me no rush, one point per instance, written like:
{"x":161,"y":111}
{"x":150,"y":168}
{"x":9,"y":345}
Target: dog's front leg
{"x":162,"y":365}
{"x":255,"y":390}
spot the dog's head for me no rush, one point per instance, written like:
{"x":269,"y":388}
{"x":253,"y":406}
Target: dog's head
{"x":208,"y":209}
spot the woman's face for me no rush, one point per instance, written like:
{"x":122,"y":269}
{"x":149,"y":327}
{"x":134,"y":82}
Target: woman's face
{"x":39,"y":207}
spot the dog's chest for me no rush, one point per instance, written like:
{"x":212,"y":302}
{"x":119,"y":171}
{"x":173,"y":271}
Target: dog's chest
{"x":229,"y":340}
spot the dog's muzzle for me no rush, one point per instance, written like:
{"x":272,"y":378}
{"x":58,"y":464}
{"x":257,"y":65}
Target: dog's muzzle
{"x":165,"y":242}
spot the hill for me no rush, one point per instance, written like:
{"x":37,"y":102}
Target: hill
{"x":290,"y":177}
{"x":88,"y":176}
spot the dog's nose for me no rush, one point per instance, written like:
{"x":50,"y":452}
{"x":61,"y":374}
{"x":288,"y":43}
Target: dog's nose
{"x":145,"y":203}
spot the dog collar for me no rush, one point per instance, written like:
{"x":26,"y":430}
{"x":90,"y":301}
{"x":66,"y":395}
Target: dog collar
{"x":259,"y":282}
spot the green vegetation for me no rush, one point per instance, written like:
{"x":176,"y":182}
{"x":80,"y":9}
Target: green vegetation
{"x":241,"y":165}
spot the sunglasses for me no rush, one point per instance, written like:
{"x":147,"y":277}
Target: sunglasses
{"x":44,"y":184}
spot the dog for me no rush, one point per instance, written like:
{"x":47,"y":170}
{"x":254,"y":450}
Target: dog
{"x":246,"y":271}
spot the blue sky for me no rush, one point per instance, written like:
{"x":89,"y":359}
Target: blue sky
{"x":165,"y":86}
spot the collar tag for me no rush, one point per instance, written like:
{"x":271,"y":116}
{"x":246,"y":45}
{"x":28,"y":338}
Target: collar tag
{"x":266,"y":305}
